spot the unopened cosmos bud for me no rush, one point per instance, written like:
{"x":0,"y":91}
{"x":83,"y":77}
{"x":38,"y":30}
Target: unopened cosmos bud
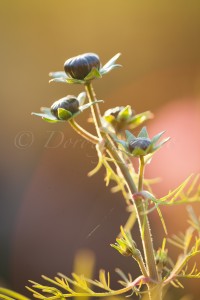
{"x":141,"y":143}
{"x":80,"y":66}
{"x":69,"y":103}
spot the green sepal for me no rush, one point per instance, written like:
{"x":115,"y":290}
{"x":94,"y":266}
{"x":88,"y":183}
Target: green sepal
{"x":110,"y":63}
{"x":138,"y":152}
{"x":74,"y":81}
{"x":161,"y":144}
{"x":123,"y":143}
{"x":46,"y":115}
{"x":51,"y":121}
{"x":125,"y":113}
{"x":129,"y":136}
{"x":109,"y":119}
{"x":150,"y":148}
{"x":58,"y":74}
{"x":157,"y":137}
{"x":107,"y":70}
{"x":62,"y":77}
{"x":58,"y":79}
{"x":64,"y":114}
{"x":81,"y":98}
{"x":94,"y":73}
{"x":143,"y":133}
{"x":87,"y":105}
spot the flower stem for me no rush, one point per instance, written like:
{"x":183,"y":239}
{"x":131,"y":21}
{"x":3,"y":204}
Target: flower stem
{"x":144,"y":226}
{"x":141,"y":173}
{"x":96,"y":114}
{"x":81,"y":131}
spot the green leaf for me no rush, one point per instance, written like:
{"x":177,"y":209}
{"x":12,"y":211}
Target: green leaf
{"x":94,"y":73}
{"x":125,"y":113}
{"x":184,"y":258}
{"x":143,"y":133}
{"x":80,"y":282}
{"x":9,"y":294}
{"x":105,"y":281}
{"x":194,"y":221}
{"x":148,"y":195}
{"x":64,"y":114}
{"x":129,"y":136}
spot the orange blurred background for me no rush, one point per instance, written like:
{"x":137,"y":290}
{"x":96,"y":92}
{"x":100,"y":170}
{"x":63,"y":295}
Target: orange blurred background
{"x":48,"y":205}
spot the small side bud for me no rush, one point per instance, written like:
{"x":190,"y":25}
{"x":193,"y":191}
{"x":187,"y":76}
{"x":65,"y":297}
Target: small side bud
{"x":125,"y":245}
{"x":69,"y":103}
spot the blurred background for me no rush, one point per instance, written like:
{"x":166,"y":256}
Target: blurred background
{"x":49,"y":209}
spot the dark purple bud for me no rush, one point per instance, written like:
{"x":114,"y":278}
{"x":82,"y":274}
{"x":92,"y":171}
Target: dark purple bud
{"x":141,"y":143}
{"x":80,"y":66}
{"x":69,"y":103}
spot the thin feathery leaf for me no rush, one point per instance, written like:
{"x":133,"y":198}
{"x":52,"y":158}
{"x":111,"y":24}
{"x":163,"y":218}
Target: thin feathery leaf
{"x":193,"y":185}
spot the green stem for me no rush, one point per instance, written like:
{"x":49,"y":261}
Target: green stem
{"x":141,"y":264}
{"x":81,"y":131}
{"x":96,"y":114}
{"x":130,"y":221}
{"x":141,"y":173}
{"x":139,"y":205}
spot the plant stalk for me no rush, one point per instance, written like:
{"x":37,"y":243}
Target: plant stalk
{"x":85,"y":134}
{"x":144,"y":226}
{"x":141,"y":173}
{"x":96,"y":114}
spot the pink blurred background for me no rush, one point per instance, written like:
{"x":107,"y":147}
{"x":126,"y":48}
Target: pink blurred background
{"x":48,"y":205}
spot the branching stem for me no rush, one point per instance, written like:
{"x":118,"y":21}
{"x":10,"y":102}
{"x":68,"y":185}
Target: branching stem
{"x":145,"y":231}
{"x":81,"y":131}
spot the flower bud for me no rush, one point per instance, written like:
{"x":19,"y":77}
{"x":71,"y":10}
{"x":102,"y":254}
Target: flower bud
{"x":139,"y":143}
{"x":69,"y":103}
{"x":126,"y":252}
{"x":114,"y":111}
{"x":80,"y":66}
